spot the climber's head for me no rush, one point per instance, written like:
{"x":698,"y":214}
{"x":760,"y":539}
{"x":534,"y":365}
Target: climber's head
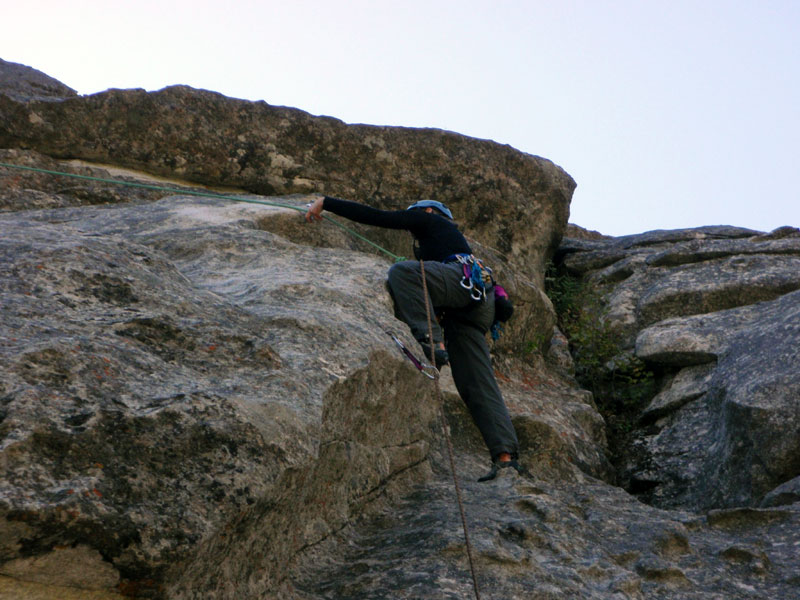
{"x":438,"y":206}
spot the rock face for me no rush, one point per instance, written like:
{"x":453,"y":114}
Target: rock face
{"x":198,"y":398}
{"x":204,"y":137}
{"x":716,"y":310}
{"x":173,"y":369}
{"x":513,"y":206}
{"x":138,"y":399}
{"x":24,"y":84}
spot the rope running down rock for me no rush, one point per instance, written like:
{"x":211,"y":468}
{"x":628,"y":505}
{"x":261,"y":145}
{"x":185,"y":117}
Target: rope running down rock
{"x":446,"y":428}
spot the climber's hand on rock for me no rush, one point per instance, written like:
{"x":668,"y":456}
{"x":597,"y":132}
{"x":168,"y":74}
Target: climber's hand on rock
{"x":315,"y":210}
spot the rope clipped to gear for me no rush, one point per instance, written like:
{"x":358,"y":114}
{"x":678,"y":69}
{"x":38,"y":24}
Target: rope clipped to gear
{"x":159,"y":188}
{"x":446,"y":428}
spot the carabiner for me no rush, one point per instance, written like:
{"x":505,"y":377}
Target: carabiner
{"x":480,"y":296}
{"x":466,"y":283}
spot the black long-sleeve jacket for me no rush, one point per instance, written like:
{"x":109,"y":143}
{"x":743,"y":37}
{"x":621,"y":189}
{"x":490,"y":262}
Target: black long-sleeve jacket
{"x":438,"y":237}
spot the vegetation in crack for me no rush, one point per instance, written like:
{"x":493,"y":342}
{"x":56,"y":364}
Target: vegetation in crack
{"x":621,"y":383}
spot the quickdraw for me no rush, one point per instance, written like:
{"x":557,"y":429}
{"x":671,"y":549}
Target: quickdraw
{"x":423,"y":367}
{"x":477,"y":277}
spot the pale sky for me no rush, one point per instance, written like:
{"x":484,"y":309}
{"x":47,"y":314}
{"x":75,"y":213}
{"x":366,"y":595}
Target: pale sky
{"x":668,"y":114}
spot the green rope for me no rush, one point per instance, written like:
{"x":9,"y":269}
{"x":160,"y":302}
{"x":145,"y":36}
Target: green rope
{"x":160,"y":188}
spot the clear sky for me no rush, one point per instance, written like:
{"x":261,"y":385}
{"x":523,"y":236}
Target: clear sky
{"x":668,"y":114}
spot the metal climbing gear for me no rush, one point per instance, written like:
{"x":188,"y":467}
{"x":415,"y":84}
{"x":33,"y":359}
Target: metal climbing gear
{"x":477,"y":277}
{"x":423,"y":367}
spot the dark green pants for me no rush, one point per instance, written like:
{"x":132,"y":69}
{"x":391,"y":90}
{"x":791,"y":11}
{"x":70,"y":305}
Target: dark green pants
{"x":465,"y":325}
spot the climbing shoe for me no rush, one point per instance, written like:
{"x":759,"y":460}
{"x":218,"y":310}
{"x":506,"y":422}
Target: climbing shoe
{"x":440,"y":356}
{"x":505,"y":464}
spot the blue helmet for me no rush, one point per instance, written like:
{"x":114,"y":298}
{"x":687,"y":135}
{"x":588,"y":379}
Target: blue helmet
{"x":432,"y":204}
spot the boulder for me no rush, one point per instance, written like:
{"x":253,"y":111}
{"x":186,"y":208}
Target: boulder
{"x":513,"y":207}
{"x":175,"y":369}
{"x":513,"y":203}
{"x":727,"y":430}
{"x":786,"y":493}
{"x":710,"y":286}
{"x":687,"y":385}
{"x":715,"y":312}
{"x":25,"y":84}
{"x":164,"y":366}
{"x":645,"y":286}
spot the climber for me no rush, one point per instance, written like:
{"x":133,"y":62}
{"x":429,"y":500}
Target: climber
{"x":465,"y":320}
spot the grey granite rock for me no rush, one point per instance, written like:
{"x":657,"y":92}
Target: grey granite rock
{"x":515,"y":203}
{"x":512,"y":206}
{"x":164,"y":365}
{"x":25,"y":84}
{"x":786,"y":493}
{"x":738,"y":439}
{"x":22,"y":189}
{"x":689,"y":384}
{"x":536,"y":539}
{"x":173,"y":369}
{"x":198,"y":398}
{"x":174,"y":329}
{"x":655,"y":276}
{"x":715,"y":311}
{"x":715,"y":285}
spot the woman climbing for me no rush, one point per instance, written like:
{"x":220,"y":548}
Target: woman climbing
{"x":456,"y":290}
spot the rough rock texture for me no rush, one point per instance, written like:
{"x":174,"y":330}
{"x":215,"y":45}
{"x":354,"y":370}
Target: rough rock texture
{"x":518,"y":201}
{"x":512,"y":205}
{"x":716,"y":311}
{"x":198,"y":398}
{"x":26,"y":189}
{"x":676,"y":273}
{"x":788,"y":493}
{"x":118,"y":362}
{"x":549,"y":540}
{"x":742,"y":438}
{"x":137,"y":334}
{"x":25,"y":84}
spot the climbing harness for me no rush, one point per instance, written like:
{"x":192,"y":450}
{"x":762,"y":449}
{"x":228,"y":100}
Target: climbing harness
{"x":446,"y":429}
{"x":184,"y":192}
{"x":478,"y":279}
{"x":423,"y":367}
